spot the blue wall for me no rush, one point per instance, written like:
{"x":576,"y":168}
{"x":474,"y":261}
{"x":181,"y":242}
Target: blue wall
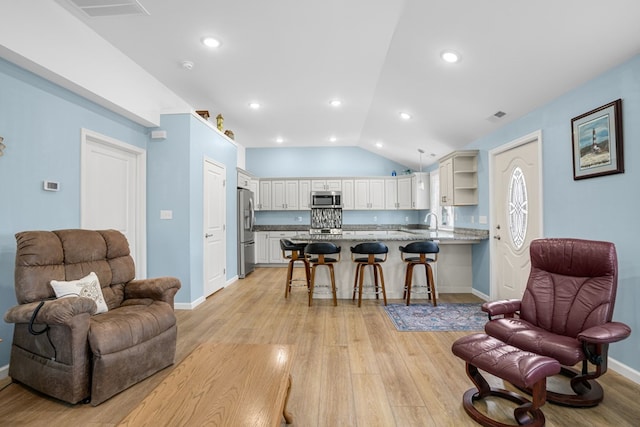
{"x":41,"y":123}
{"x":319,"y":162}
{"x":175,"y":180}
{"x":603,"y":208}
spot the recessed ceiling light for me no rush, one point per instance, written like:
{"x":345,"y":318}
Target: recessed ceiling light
{"x":450,"y":56}
{"x":335,"y":102}
{"x":187,"y":65}
{"x":254,"y":105}
{"x":211,"y":42}
{"x":279,"y":140}
{"x":405,"y":116}
{"x":379,"y":144}
{"x":333,"y":139}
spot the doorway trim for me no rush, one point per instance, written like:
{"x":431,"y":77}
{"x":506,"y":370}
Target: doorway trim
{"x":87,"y":136}
{"x":533,"y":137}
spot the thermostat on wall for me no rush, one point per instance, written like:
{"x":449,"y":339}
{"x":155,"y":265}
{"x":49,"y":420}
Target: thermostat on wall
{"x":51,"y":186}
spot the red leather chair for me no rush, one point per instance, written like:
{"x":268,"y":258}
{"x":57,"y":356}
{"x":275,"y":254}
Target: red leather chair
{"x":565,"y":313}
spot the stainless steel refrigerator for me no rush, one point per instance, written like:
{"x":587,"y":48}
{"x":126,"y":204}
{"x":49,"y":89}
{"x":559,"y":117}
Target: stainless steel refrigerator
{"x":246,"y":235}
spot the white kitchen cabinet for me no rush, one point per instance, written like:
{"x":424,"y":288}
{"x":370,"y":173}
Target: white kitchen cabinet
{"x":254,"y":186}
{"x":369,"y":194}
{"x":459,"y":178}
{"x":420,"y":190}
{"x":397,"y":192}
{"x":391,"y":193}
{"x":275,"y":253}
{"x":243,"y":179}
{"x":347,"y":194}
{"x":264,"y":195}
{"x":284,"y":195}
{"x":404,"y":192}
{"x":326,"y":185}
{"x":304,"y":193}
{"x":262,"y":247}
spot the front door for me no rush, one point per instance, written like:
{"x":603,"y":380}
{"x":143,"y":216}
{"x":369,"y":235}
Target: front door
{"x":215,"y":259}
{"x":516,"y":213}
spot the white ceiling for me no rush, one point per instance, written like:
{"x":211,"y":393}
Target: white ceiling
{"x":379,"y":57}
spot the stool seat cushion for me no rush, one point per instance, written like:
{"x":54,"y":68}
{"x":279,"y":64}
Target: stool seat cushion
{"x":417,"y":259}
{"x":326,"y":260}
{"x":522,"y":334}
{"x":365,"y":260}
{"x":520,"y":368}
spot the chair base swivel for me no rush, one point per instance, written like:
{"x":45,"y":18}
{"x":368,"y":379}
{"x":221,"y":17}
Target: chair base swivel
{"x":589,"y":392}
{"x":520,"y":368}
{"x":524,"y":414}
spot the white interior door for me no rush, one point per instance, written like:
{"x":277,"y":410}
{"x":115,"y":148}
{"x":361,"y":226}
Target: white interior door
{"x":113,"y":191}
{"x":215,"y":254}
{"x":516,"y":213}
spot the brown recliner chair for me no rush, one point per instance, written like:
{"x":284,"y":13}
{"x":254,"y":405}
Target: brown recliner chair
{"x":565,"y":313}
{"x":65,"y":350}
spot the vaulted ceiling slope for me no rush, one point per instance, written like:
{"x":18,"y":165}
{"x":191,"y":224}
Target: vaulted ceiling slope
{"x":379,"y":57}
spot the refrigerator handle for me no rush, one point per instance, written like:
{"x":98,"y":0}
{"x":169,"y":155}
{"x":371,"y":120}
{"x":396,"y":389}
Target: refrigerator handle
{"x":252,"y":214}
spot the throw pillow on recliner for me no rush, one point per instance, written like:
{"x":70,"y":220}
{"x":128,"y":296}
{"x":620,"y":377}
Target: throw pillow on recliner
{"x":88,"y":287}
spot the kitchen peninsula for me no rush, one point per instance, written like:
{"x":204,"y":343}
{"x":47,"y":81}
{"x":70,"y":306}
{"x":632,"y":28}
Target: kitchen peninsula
{"x":453,"y":271}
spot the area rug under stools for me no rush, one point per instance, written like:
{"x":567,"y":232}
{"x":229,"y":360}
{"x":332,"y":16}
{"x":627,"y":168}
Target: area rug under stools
{"x":444,"y":317}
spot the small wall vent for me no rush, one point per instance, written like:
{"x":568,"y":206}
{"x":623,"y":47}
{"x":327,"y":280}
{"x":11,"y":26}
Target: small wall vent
{"x":496,"y":116}
{"x":100,"y":8}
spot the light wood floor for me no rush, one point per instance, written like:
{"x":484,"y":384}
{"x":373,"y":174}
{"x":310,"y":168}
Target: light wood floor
{"x":352,"y":368}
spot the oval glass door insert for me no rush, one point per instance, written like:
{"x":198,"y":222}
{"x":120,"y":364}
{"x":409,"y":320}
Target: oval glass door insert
{"x":518,"y":208}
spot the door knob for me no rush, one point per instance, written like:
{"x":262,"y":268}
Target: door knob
{"x":206,"y":236}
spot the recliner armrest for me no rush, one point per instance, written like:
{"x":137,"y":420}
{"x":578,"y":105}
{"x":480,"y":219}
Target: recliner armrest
{"x":507,"y":307}
{"x":605,"y":334}
{"x":158,"y":288}
{"x":53,"y":312}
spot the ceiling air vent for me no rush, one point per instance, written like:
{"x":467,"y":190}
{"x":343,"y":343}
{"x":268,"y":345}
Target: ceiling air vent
{"x":99,"y":8}
{"x":496,"y":116}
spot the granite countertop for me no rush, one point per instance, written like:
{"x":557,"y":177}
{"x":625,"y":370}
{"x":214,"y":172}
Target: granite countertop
{"x":386,"y":233}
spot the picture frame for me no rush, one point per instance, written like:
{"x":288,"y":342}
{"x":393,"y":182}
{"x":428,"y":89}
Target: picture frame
{"x":597,"y":142}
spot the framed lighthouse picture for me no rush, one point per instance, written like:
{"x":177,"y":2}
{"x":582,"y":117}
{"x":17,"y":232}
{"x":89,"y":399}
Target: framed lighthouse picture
{"x":597,"y":142}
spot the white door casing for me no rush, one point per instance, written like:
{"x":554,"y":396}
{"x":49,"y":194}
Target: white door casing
{"x":113,"y":191}
{"x":516,"y":212}
{"x":214,"y":203}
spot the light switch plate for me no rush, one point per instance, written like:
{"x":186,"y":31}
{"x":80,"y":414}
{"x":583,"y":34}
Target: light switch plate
{"x":482,"y":219}
{"x":166,"y":214}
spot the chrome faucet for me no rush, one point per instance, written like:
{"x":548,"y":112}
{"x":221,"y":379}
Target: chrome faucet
{"x":426,"y":219}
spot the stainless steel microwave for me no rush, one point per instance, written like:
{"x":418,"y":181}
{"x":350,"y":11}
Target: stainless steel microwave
{"x":326,"y":199}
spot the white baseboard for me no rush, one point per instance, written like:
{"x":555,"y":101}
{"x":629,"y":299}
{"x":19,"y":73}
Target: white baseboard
{"x":4,"y":372}
{"x":197,"y":302}
{"x":188,"y":305}
{"x":480,"y":294}
{"x":624,"y":370}
{"x":453,"y":290}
